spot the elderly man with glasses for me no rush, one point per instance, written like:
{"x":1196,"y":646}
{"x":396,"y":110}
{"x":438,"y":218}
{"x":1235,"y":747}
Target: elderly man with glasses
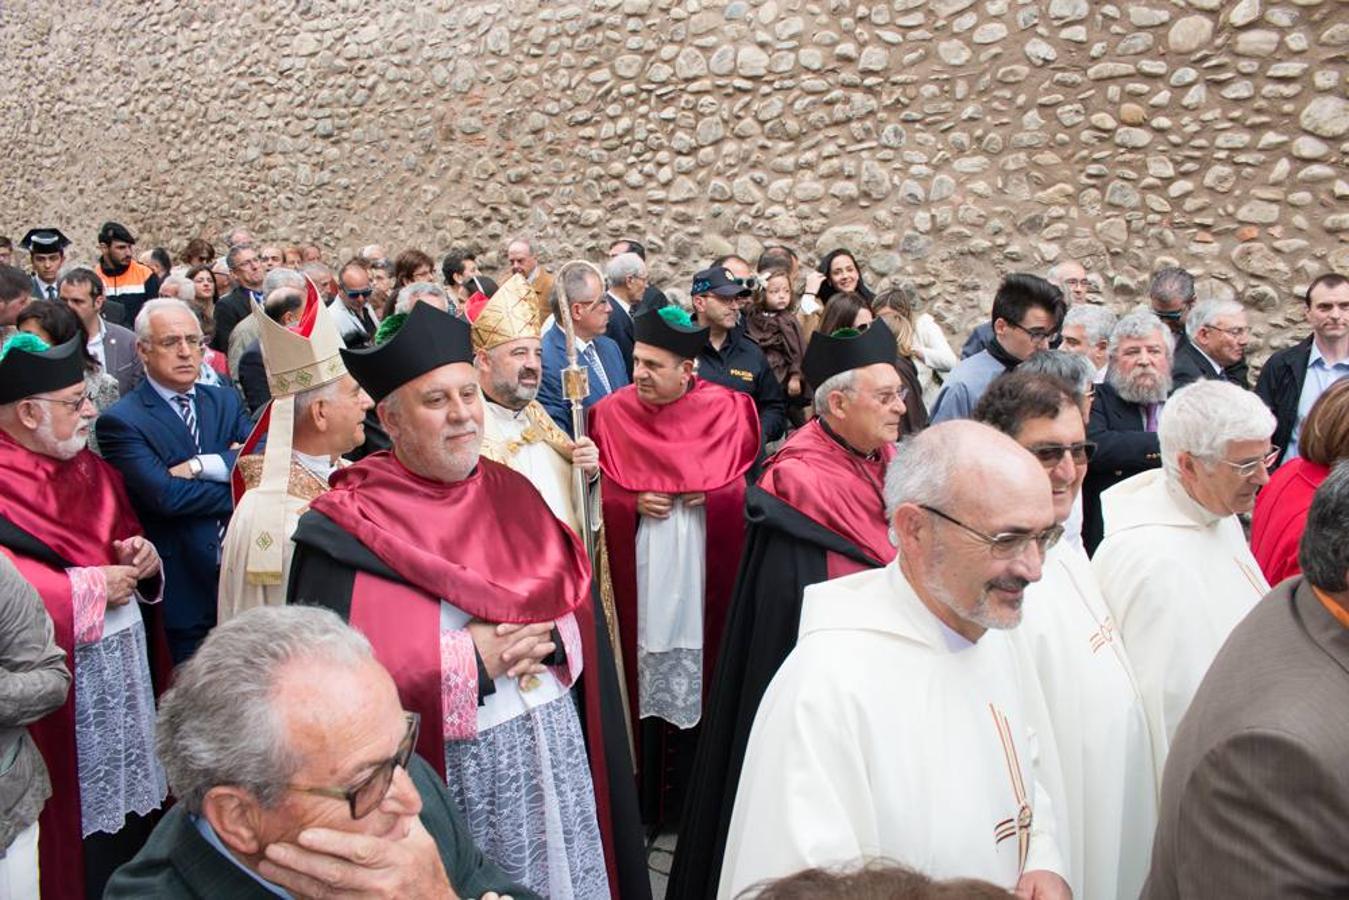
{"x":68,"y":526}
{"x":1027,"y":315}
{"x":1071,"y":640}
{"x":175,"y":442}
{"x":292,"y":761}
{"x":1218,"y":334}
{"x":1175,"y":568}
{"x":903,"y":724}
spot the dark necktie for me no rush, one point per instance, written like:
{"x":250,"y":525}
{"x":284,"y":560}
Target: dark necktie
{"x":51,"y":292}
{"x":368,"y":321}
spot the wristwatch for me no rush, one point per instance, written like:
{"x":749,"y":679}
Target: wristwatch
{"x":195,"y":467}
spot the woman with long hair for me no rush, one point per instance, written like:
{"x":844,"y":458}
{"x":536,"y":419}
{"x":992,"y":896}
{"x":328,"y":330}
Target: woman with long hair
{"x":841,"y":275}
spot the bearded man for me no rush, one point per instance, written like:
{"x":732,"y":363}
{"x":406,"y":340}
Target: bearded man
{"x":1125,"y":413}
{"x":816,"y":513}
{"x":73,"y":535}
{"x":478,"y":599}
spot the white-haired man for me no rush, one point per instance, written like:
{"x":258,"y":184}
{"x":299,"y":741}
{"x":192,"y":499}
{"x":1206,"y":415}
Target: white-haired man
{"x":903,"y":723}
{"x":1086,"y":332}
{"x":1218,"y":335}
{"x":68,"y":525}
{"x":523,"y":259}
{"x":1125,"y":412}
{"x":627,"y":278}
{"x":1175,"y":567}
{"x":294,"y":767}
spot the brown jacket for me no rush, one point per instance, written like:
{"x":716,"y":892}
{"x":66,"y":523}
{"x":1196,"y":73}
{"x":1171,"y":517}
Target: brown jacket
{"x":1255,"y":798}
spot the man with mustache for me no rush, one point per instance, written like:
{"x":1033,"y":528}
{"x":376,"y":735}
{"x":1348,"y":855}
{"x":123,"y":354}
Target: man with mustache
{"x":1125,"y":412}
{"x":675,"y":451}
{"x":1175,"y":567}
{"x":1073,"y":644}
{"x":817,"y":512}
{"x":478,"y":600}
{"x":903,"y":724}
{"x":68,"y":525}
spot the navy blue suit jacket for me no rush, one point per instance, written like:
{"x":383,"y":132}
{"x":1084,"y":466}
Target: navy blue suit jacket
{"x":144,"y":437}
{"x":555,"y":360}
{"x":619,"y":331}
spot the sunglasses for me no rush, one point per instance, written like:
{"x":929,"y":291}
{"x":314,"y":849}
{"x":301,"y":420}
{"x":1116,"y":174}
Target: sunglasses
{"x":364,"y":292}
{"x":1050,"y":454}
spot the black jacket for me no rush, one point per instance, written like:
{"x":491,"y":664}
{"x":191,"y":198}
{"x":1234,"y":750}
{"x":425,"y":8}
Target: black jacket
{"x":1280,"y":386}
{"x":252,"y":378}
{"x":1123,"y":449}
{"x":1190,"y":365}
{"x":230,"y":310}
{"x":741,"y":366}
{"x":620,"y":330}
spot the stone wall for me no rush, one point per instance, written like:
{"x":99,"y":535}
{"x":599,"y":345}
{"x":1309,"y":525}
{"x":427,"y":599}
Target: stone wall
{"x":945,"y":141}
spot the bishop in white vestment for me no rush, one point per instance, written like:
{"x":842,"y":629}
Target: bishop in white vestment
{"x":1175,"y":567}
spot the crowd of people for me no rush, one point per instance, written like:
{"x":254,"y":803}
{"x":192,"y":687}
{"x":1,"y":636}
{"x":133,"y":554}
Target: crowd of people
{"x":384,"y":578}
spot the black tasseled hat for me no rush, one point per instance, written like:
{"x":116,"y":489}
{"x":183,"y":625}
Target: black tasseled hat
{"x":828,"y":355}
{"x":428,"y":340}
{"x":670,"y":329}
{"x":29,"y":367}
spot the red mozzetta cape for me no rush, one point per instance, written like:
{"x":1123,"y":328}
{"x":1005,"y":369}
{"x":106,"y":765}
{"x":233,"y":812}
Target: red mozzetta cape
{"x":489,"y":545}
{"x":836,"y":488}
{"x":704,"y":442}
{"x":77,"y":508}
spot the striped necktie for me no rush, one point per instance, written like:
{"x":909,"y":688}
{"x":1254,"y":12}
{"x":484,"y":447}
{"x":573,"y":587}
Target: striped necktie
{"x":593,"y":360}
{"x":189,"y":417}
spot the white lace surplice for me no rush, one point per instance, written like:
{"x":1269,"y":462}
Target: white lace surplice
{"x":524,"y":783}
{"x":671,"y":557}
{"x":115,"y":725}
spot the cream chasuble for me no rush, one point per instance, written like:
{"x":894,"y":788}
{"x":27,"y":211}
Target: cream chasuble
{"x":1177,"y":579}
{"x":308,"y":479}
{"x":886,"y":734}
{"x":1100,"y":727}
{"x":529,"y":442}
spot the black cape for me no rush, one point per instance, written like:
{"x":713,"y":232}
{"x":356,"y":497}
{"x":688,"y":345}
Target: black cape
{"x":323,"y":573}
{"x":785,"y":552}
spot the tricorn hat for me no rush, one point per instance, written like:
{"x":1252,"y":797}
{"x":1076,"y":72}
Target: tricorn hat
{"x":670,"y":329}
{"x":29,"y":366}
{"x":428,"y":340}
{"x":830,"y":354}
{"x":511,"y":313}
{"x":44,"y":240}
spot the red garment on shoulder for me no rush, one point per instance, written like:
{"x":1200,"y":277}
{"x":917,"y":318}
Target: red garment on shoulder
{"x":1280,"y":517}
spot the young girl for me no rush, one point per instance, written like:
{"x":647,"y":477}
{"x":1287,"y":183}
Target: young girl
{"x":774,"y":327}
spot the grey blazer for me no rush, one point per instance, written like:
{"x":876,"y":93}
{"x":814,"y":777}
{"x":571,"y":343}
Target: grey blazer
{"x":1255,"y":798}
{"x":124,"y":364}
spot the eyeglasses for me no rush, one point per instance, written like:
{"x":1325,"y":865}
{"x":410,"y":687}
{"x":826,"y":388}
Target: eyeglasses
{"x":888,"y":397}
{"x":1172,"y":315}
{"x":1237,"y":332}
{"x":363,"y":798}
{"x":1008,"y":545}
{"x":1037,"y":335}
{"x":1076,"y":282}
{"x":191,"y":341}
{"x":1050,"y":454}
{"x":1250,"y":467}
{"x":74,"y":405}
{"x":364,"y":292}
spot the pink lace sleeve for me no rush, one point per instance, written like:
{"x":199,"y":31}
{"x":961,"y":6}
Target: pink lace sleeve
{"x":459,"y":685}
{"x":571,"y":643}
{"x":89,"y":601}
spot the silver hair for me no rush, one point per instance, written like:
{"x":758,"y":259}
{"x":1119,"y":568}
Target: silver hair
{"x":1097,"y":322}
{"x":232,"y":255}
{"x":1171,"y":283}
{"x":1206,"y":311}
{"x":218,"y":723}
{"x":305,"y":400}
{"x":529,"y":245}
{"x":1139,"y":323}
{"x":1323,"y":553}
{"x":1072,"y":368}
{"x":622,"y":267}
{"x":233,"y":239}
{"x":1204,"y":417}
{"x":183,"y":288}
{"x":282,"y":277}
{"x":1055,"y":273}
{"x":316,"y":271}
{"x":921,"y":471}
{"x":843,"y":381}
{"x":158,"y":305}
{"x":409,"y":292}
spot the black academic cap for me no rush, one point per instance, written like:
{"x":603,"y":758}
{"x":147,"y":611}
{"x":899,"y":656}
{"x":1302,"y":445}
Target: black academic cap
{"x":828,"y":356}
{"x":653,"y":328}
{"x":44,"y":240}
{"x":24,"y":373}
{"x":428,"y":340}
{"x":115,"y":231}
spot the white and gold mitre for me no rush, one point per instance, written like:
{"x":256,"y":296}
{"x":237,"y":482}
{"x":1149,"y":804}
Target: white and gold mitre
{"x":511,"y":314}
{"x":297,"y":363}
